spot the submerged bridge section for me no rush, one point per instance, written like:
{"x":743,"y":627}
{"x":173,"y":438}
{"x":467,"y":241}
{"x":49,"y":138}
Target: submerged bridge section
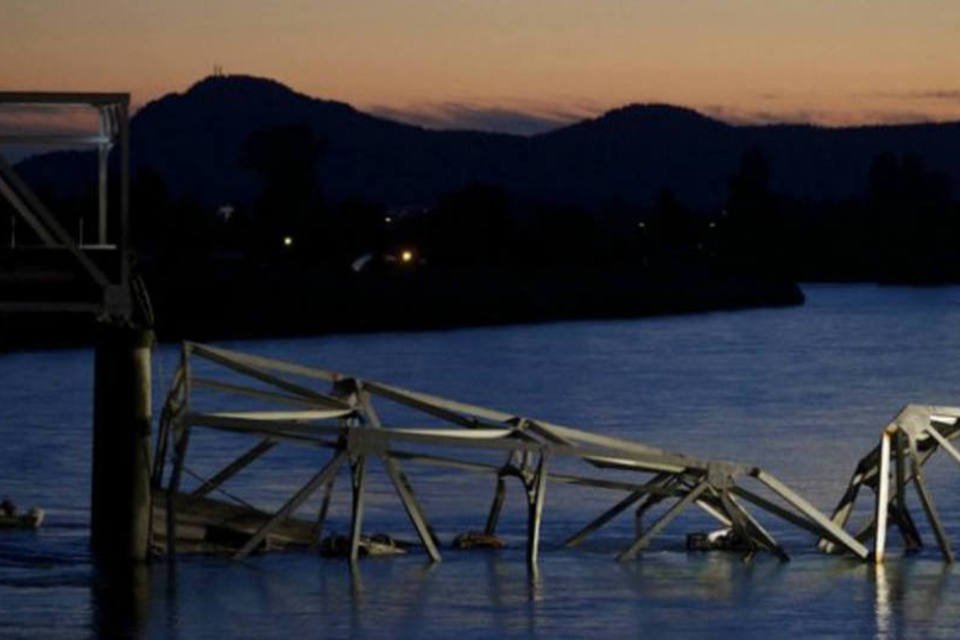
{"x":277,"y":403}
{"x":906,"y":445}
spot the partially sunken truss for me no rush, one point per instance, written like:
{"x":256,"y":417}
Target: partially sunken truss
{"x":339,"y":412}
{"x":906,"y":444}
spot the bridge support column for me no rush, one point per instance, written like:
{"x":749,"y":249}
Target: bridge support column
{"x":120,"y":491}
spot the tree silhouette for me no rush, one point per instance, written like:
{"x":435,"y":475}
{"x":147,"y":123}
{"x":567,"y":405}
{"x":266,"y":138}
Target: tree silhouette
{"x":152,"y":230}
{"x":913,"y":216}
{"x":673,"y":225}
{"x":286,"y":158}
{"x":753,"y":227}
{"x":470,"y":226}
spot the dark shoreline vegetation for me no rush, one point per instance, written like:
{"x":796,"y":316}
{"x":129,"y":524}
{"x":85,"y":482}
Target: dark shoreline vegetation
{"x":454,"y":299}
{"x":286,"y":302}
{"x":293,"y":264}
{"x":245,"y":223}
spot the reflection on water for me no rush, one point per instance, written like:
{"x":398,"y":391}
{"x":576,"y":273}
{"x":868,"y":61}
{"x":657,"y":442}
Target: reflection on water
{"x":882,"y":608}
{"x":802,"y":392}
{"x":477,"y":595}
{"x":121,"y":600}
{"x":914,"y":595}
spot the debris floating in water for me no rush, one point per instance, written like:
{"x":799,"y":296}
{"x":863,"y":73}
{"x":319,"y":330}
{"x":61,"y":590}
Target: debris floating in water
{"x":10,"y":518}
{"x":379,"y":544}
{"x":725,"y":539}
{"x":477,"y":540}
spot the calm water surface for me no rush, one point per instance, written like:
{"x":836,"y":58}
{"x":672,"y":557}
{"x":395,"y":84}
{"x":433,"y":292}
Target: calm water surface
{"x":802,"y":392}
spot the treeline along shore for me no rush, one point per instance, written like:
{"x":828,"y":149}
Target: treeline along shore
{"x":293,"y":262}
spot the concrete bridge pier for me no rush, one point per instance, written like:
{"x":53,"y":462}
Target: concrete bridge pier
{"x":121,"y":510}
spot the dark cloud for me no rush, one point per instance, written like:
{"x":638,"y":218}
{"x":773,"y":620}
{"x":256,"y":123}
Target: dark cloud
{"x":739,"y":116}
{"x":33,"y":118}
{"x":456,"y":115}
{"x":947,"y":95}
{"x":939,"y":94}
{"x":819,"y":117}
{"x":29,"y":119}
{"x":898,"y":117}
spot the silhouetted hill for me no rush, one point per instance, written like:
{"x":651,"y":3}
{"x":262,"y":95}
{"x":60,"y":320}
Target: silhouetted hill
{"x":195,"y":139}
{"x":631,"y":153}
{"x":628,"y":155}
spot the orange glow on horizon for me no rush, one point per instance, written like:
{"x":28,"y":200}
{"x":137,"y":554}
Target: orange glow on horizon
{"x":742,"y":60}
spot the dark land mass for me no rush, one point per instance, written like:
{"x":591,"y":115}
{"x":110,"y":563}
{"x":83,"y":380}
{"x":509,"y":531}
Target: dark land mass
{"x":195,"y":142}
{"x":261,"y":211}
{"x":315,"y":303}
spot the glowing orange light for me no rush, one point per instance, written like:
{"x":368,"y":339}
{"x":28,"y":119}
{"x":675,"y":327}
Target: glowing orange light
{"x":406,"y":256}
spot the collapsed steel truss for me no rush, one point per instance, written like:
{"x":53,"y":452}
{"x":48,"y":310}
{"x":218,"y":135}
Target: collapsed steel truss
{"x":342,"y":416}
{"x":913,"y":436}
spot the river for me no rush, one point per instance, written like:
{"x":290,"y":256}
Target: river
{"x":801,"y":391}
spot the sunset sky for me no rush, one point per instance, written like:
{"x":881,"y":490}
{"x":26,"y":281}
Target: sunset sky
{"x":512,"y":64}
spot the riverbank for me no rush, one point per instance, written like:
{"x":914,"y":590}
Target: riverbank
{"x":251,"y":303}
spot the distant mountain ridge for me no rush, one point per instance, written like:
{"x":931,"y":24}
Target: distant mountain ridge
{"x":194,"y":140}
